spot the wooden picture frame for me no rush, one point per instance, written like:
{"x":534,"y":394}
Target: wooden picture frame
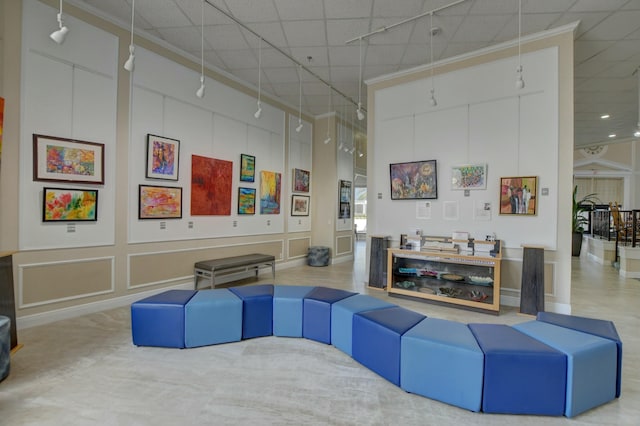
{"x":69,"y":205}
{"x":301,"y":180}
{"x":519,"y":195}
{"x":416,"y":180}
{"x":469,"y":176}
{"x":247,"y":168}
{"x":163,"y":157}
{"x":300,"y":205}
{"x":58,"y":159}
{"x":159,"y":202}
{"x":246,"y":200}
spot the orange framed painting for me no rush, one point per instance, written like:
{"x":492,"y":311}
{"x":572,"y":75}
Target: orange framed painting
{"x":518,"y":195}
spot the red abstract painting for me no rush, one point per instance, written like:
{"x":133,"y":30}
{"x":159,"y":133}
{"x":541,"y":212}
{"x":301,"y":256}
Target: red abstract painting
{"x":210,"y":186}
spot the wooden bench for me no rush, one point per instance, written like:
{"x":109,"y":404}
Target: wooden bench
{"x":232,"y":268}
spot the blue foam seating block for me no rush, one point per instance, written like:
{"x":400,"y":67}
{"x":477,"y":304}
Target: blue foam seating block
{"x":441,"y":360}
{"x":521,"y":374}
{"x":591,"y":364}
{"x":376,"y":339}
{"x":597,"y":327}
{"x":257,"y":310}
{"x":342,"y":318}
{"x":287,"y":309}
{"x":158,"y":320}
{"x":5,"y":347}
{"x":316,"y":312}
{"x":212,"y":317}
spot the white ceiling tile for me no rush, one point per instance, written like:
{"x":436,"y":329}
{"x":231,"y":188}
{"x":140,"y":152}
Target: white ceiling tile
{"x":494,"y":7}
{"x":162,"y":13}
{"x":416,"y":54}
{"x":345,"y":74}
{"x":210,"y":57}
{"x":455,"y":49}
{"x":305,"y":33}
{"x":281,"y":75}
{"x":548,"y":6}
{"x":322,"y":72}
{"x":185,"y":38}
{"x":531,"y":23}
{"x":249,"y":11}
{"x":596,"y":5}
{"x":238,"y":58}
{"x":319,"y":55}
{"x":341,"y":56}
{"x":396,"y":9}
{"x":193,"y":11}
{"x":225,"y":37}
{"x":347,"y":8}
{"x":458,"y":9}
{"x":119,"y":9}
{"x":585,"y":50}
{"x":285,"y":89}
{"x":448,"y":26}
{"x":397,"y":35}
{"x":247,"y":74}
{"x":615,"y":27}
{"x":591,"y":68}
{"x":480,"y":28}
{"x":298,"y":10}
{"x":619,"y":51}
{"x":273,"y":58}
{"x":378,"y":70}
{"x":623,"y":69}
{"x":341,"y":30}
{"x":271,"y":31}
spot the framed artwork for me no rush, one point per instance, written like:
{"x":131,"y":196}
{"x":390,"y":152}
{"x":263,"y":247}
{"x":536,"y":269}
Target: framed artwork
{"x":344,"y":209}
{"x":270,"y":190}
{"x":518,"y":195}
{"x":160,"y":202}
{"x":247,"y":168}
{"x":69,"y":205}
{"x":300,"y":205}
{"x":1,"y":123}
{"x":246,"y":200}
{"x":301,"y":180}
{"x":67,"y":160}
{"x":211,"y":186}
{"x":163,"y":156}
{"x":469,"y":176}
{"x":417,"y":180}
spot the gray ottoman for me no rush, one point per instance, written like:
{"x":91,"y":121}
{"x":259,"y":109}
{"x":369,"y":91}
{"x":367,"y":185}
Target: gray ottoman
{"x":318,"y":256}
{"x":5,"y":347}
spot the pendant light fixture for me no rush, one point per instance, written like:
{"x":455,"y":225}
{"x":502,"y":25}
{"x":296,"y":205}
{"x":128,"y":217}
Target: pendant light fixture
{"x":519,"y":80}
{"x":200,"y":91}
{"x":328,"y":138}
{"x":340,"y":133}
{"x":299,"y":128}
{"x":130,"y":64}
{"x":353,"y":136}
{"x":59,"y":35}
{"x":432,"y":100}
{"x":359,"y":110}
{"x":258,"y":112}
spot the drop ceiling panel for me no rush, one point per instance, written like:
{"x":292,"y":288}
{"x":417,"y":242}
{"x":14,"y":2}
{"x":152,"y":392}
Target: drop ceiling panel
{"x":162,"y":13}
{"x":305,"y":33}
{"x":480,"y":28}
{"x":299,"y":10}
{"x":340,"y":9}
{"x":250,"y":11}
{"x":341,"y":30}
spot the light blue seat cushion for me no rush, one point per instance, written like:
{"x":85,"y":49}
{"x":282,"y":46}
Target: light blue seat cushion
{"x":441,"y":360}
{"x":212,"y":317}
{"x":342,"y":318}
{"x":591,"y":364}
{"x":287,"y":309}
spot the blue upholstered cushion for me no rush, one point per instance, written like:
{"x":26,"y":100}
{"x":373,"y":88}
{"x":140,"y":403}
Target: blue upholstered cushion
{"x":257,"y":310}
{"x":316,"y":324}
{"x":212,"y":317}
{"x":287,"y":309}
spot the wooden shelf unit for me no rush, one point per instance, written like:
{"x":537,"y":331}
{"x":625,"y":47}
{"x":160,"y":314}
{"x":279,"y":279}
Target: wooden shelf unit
{"x":436,"y":273}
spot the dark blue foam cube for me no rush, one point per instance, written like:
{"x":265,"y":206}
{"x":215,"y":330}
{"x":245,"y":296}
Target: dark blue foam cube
{"x":257,"y":310}
{"x":316,"y":312}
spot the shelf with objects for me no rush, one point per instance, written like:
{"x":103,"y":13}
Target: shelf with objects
{"x":469,"y":279}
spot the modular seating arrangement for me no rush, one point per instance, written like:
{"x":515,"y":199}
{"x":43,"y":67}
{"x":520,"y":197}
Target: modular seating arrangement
{"x":554,"y":365}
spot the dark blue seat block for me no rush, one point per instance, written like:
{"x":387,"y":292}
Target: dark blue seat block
{"x":521,"y":374}
{"x":316,"y":312}
{"x":158,"y":320}
{"x":596,"y":327}
{"x":376,"y":339}
{"x":257,"y":310}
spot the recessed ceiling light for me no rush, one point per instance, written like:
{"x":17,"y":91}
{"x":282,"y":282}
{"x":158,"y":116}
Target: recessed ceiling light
{"x":612,"y":135}
{"x":605,"y":116}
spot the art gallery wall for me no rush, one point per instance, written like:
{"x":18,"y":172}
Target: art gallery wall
{"x":300,"y":157}
{"x":345,"y":171}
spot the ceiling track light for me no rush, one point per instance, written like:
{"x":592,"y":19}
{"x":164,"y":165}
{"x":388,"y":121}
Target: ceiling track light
{"x":432,"y":100}
{"x":519,"y":80}
{"x":299,"y":128}
{"x":59,"y":35}
{"x":359,"y":112}
{"x":258,"y":112}
{"x":200,"y":91}
{"x":130,"y":64}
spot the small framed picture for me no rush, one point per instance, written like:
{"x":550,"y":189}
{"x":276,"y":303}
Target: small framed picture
{"x":518,"y":195}
{"x":246,"y":200}
{"x":469,"y":176}
{"x":67,"y":160}
{"x":300,"y":205}
{"x":160,"y":202}
{"x":247,"y":168}
{"x":301,"y":180}
{"x":69,"y":205}
{"x":163,"y":156}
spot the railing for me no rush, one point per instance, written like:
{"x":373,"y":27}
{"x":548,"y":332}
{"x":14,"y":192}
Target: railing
{"x":625,"y":231}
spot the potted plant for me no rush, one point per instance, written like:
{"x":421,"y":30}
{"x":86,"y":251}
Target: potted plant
{"x":579,"y":220}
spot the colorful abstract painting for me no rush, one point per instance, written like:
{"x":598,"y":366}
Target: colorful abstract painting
{"x":67,"y":160}
{"x":301,"y":180}
{"x":416,"y":180}
{"x":469,"y":176}
{"x":247,"y":168}
{"x":246,"y":200}
{"x":160,"y":202}
{"x":270,"y":192}
{"x":518,"y":195}
{"x":162,"y":157}
{"x":211,"y":182}
{"x":64,"y":205}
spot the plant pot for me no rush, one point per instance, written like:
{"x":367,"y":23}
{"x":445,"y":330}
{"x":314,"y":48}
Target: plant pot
{"x":576,"y":244}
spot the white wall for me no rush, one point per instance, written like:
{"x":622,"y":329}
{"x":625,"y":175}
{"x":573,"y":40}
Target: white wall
{"x":345,"y":172}
{"x":480,"y":118}
{"x":300,"y":157}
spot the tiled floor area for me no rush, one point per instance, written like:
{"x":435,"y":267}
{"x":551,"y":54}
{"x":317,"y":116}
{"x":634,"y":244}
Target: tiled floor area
{"x":85,"y":371}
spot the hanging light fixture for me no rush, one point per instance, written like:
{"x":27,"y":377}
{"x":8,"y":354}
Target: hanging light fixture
{"x":353,"y":137}
{"x":519,"y":80}
{"x":258,"y":112}
{"x":432,"y":99}
{"x":130,"y":64}
{"x":637,"y":132}
{"x":299,"y":128}
{"x":359,"y":110}
{"x":200,"y":91}
{"x":328,"y":138}
{"x":59,"y":35}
